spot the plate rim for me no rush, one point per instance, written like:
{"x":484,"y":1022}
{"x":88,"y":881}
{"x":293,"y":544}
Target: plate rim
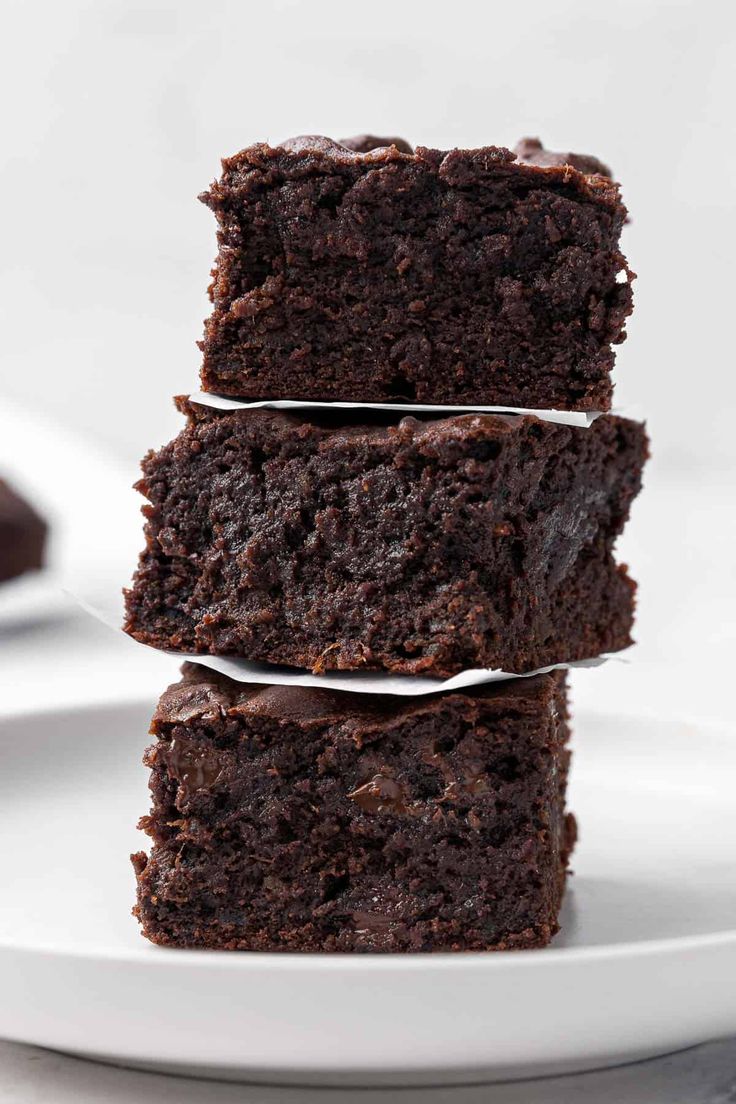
{"x":169,"y":957}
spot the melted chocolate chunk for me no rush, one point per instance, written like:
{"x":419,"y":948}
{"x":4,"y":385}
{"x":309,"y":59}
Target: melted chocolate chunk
{"x":532,"y":152}
{"x":193,"y":766}
{"x":363,"y":143}
{"x":373,"y":921}
{"x":382,"y":794}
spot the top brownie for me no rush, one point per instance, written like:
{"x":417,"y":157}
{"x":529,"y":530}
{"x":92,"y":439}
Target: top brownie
{"x":365,"y":271}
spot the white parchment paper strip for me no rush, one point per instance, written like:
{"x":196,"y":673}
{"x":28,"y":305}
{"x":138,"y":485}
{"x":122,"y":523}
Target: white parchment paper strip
{"x":563,"y":417}
{"x":365,"y":682}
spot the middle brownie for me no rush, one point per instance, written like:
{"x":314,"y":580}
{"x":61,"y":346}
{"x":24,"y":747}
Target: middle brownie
{"x":413,"y":546}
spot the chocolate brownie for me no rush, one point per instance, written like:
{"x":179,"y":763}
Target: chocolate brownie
{"x":305,"y":820}
{"x":419,"y":546}
{"x":22,"y":535}
{"x":469,"y":277}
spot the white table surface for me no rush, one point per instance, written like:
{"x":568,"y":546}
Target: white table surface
{"x":680,"y":546}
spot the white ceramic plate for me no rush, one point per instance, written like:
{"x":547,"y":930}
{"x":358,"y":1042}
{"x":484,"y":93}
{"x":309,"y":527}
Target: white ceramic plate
{"x":645,"y":962}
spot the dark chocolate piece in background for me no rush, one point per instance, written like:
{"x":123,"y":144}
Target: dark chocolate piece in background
{"x":22,"y":535}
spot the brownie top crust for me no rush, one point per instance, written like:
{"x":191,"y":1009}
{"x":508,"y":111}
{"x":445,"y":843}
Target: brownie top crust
{"x":208,"y":695}
{"x":530,"y":163}
{"x":529,"y":150}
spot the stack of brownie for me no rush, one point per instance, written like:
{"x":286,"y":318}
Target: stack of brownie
{"x":409,"y":542}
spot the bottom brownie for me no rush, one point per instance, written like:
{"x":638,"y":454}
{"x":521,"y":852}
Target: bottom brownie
{"x":291,"y":819}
